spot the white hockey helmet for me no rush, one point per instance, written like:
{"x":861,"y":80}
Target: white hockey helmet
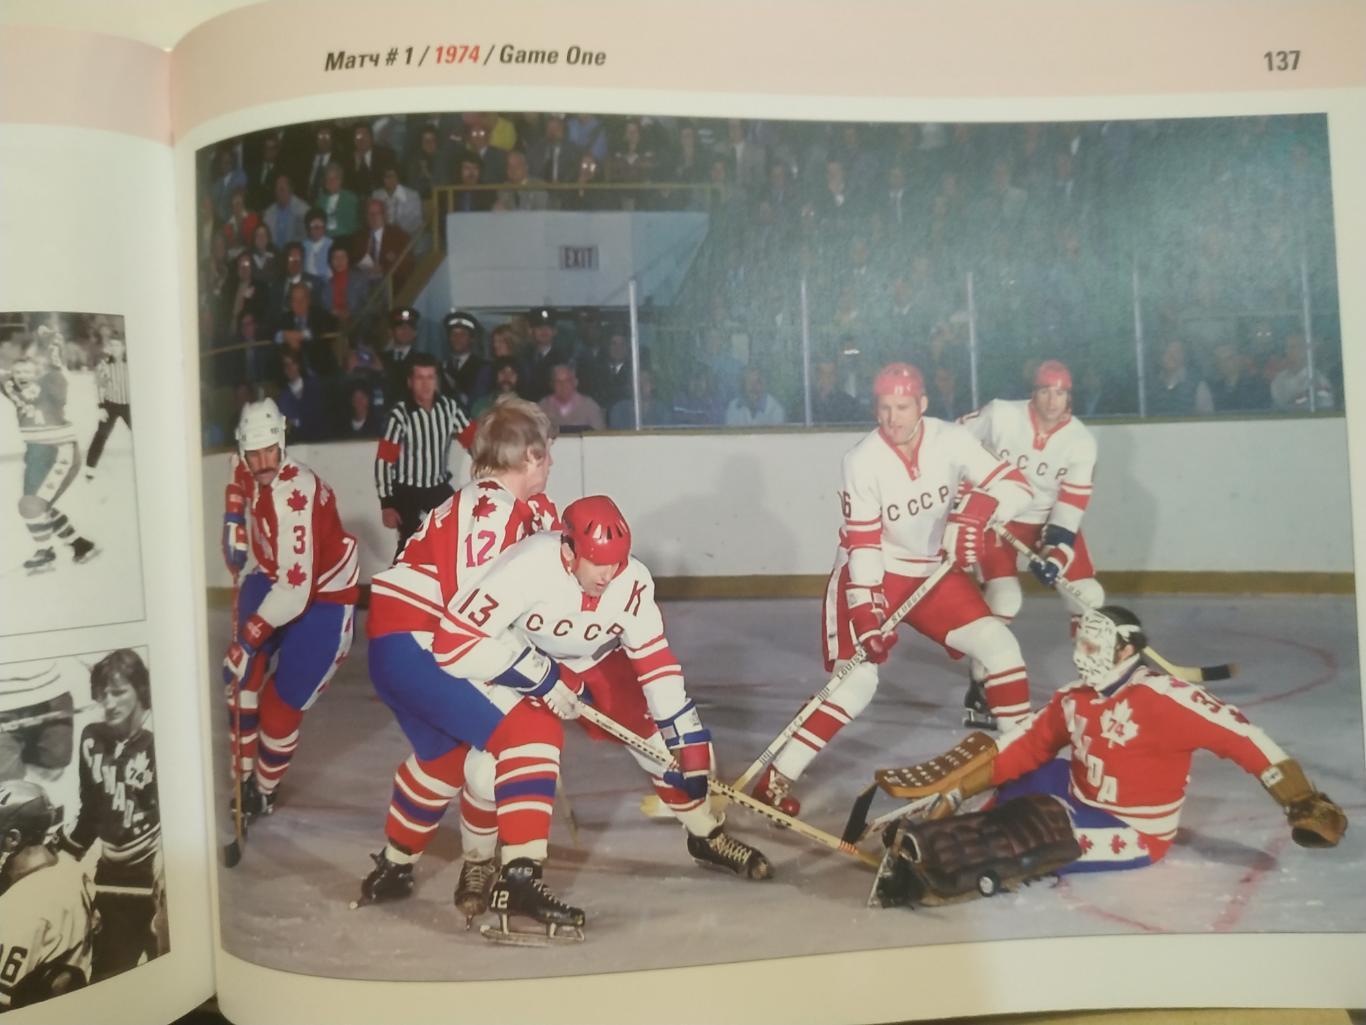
{"x":1100,"y":635}
{"x":26,"y":815}
{"x":261,"y":426}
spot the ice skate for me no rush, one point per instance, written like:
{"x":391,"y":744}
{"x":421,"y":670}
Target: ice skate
{"x":723,"y":851}
{"x":520,"y":893}
{"x":82,"y":551}
{"x":774,"y":789}
{"x":254,"y":803}
{"x":976,"y":712}
{"x":41,"y":561}
{"x":472,"y":892}
{"x":389,"y":880}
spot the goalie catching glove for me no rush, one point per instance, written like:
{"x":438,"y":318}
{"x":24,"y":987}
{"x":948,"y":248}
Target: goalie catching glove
{"x":952,"y":777}
{"x":1315,"y":821}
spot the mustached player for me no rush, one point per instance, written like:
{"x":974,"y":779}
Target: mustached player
{"x":1131,"y":734}
{"x":295,"y":608}
{"x":453,"y":548}
{"x":902,"y":516}
{"x":1057,"y":455}
{"x":36,"y":384}
{"x":47,"y":904}
{"x":561,"y":616}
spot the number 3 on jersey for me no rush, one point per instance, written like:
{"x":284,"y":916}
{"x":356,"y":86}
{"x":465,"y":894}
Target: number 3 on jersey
{"x":487,"y":539}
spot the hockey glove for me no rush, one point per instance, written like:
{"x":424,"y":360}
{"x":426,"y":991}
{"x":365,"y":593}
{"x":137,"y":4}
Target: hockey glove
{"x":690,"y":744}
{"x":234,"y":529}
{"x":533,"y":673}
{"x":963,"y":536}
{"x":867,"y":621}
{"x":1055,"y":554}
{"x":563,"y":698}
{"x":241,"y":652}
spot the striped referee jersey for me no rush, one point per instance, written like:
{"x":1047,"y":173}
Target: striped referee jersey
{"x":112,"y":377}
{"x":415,"y":449}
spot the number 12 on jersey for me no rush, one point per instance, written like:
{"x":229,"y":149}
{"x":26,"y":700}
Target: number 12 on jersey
{"x":487,"y":539}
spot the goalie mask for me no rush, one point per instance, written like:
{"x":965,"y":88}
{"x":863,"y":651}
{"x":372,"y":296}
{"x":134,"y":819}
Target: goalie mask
{"x":261,"y":426}
{"x":26,"y":815}
{"x":1100,"y":636}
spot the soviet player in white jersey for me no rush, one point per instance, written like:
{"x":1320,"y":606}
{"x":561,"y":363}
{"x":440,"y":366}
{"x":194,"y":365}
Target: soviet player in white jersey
{"x":295,"y":608}
{"x":47,"y":904}
{"x":902,"y":517}
{"x":453,"y":547}
{"x":1129,"y":734}
{"x":36,"y":383}
{"x":1057,"y":455}
{"x":575,"y":614}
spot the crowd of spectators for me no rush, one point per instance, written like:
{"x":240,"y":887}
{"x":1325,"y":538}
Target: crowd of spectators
{"x":972,"y":250}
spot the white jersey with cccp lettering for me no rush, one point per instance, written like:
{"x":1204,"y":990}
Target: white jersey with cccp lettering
{"x":1058,"y":464}
{"x":47,"y":920}
{"x":896,"y":506}
{"x":529,"y":597}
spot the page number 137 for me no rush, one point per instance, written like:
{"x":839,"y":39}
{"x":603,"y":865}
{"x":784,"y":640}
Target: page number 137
{"x":1281,"y":60}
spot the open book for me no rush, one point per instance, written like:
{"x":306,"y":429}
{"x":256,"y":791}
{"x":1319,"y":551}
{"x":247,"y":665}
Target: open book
{"x":264,"y":289}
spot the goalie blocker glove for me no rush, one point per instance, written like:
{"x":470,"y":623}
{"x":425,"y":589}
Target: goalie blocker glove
{"x":1315,"y":821}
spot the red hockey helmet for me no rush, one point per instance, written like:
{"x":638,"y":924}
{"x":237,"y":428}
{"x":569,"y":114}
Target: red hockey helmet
{"x":899,"y":379}
{"x":1053,"y":373}
{"x":595,"y":529}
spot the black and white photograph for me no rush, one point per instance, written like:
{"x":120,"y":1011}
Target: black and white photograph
{"x":68,"y":491}
{"x":950,"y":520}
{"x":82,"y":890}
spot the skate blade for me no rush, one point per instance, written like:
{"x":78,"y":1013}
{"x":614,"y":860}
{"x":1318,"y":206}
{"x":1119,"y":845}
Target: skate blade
{"x":37,"y":571}
{"x":89,"y":556}
{"x":563,"y":936}
{"x":978,"y":721}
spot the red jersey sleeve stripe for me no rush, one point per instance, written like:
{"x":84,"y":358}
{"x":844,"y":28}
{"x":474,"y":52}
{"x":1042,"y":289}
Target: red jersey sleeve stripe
{"x":862,"y":538}
{"x":1077,"y":501}
{"x":466,"y":437}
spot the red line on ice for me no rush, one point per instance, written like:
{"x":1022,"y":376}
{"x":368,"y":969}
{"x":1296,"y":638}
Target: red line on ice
{"x":1242,"y":895}
{"x":1328,"y":659}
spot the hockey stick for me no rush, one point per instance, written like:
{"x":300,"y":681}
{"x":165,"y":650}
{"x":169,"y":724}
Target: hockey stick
{"x":889,"y":626}
{"x":664,"y":759}
{"x":232,"y":852}
{"x":652,"y":807}
{"x":1191,"y":674}
{"x":15,"y":725}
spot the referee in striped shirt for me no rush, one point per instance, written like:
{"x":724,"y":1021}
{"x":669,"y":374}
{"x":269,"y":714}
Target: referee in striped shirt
{"x":111,"y":376}
{"x":412,"y":466}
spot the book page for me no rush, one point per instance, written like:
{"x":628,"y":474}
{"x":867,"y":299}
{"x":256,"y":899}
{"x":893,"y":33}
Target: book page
{"x":102,"y":874}
{"x":759,"y":214}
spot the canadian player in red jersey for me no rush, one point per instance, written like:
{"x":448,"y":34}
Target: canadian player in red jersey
{"x":453,"y":548}
{"x":1131,"y":733}
{"x":1057,"y":455}
{"x":296,"y":606}
{"x":902,"y":517}
{"x":575,"y":614}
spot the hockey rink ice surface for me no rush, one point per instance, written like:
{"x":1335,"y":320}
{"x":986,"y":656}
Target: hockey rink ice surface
{"x":749,"y":665}
{"x":108,"y":588}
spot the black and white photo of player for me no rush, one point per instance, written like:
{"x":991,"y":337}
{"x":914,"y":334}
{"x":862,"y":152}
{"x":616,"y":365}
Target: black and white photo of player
{"x":82,"y":894}
{"x":71,"y":544}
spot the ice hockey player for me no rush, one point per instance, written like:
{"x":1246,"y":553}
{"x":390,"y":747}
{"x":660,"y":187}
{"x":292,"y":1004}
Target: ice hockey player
{"x":575,"y":614}
{"x":903,"y":514}
{"x":1131,"y":733}
{"x":454,"y":546}
{"x":1057,"y":455}
{"x":295,"y":607}
{"x":47,"y":910}
{"x":120,"y":809}
{"x":36,"y":384}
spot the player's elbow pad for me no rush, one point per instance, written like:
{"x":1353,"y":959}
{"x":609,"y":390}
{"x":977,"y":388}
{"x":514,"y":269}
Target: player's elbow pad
{"x":532,"y":673}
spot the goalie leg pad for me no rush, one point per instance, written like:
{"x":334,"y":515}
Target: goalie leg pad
{"x":970,"y":763}
{"x":976,"y":855}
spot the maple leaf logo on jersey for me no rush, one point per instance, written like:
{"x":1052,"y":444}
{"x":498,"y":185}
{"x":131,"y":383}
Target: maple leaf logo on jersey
{"x":289,"y":473}
{"x":138,"y":772}
{"x":297,"y":501}
{"x":1117,"y":724}
{"x":1085,"y":842}
{"x":483,"y":507}
{"x":296,"y":575}
{"x":1117,"y":844}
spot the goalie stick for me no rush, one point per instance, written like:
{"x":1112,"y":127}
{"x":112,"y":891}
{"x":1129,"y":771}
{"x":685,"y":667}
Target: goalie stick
{"x":1191,"y":674}
{"x":652,"y":807}
{"x":664,"y":759}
